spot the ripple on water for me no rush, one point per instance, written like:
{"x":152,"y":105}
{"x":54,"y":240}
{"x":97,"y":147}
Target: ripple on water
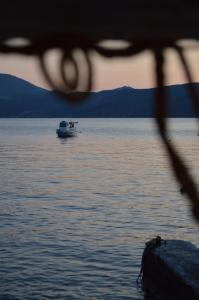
{"x":75,"y":214}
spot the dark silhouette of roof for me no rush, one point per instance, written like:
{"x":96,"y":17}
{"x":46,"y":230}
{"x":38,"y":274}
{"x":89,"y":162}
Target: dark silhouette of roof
{"x":96,"y":20}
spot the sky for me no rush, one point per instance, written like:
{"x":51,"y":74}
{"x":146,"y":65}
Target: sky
{"x":135,"y":71}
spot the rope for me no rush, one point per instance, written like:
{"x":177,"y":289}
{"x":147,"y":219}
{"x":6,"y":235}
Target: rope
{"x":149,"y":246}
{"x":83,"y":79}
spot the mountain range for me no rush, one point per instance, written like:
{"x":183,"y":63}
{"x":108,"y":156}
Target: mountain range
{"x":19,"y":98}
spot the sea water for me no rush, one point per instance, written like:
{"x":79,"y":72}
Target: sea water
{"x":75,"y":213}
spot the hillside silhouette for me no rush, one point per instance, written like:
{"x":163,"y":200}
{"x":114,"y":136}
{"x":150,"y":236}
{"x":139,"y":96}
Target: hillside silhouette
{"x":19,"y":98}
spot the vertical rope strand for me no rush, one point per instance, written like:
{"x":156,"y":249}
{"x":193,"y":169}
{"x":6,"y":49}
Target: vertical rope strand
{"x":181,"y":171}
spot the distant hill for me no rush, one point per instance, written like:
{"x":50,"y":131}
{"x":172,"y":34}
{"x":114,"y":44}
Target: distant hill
{"x":19,"y":98}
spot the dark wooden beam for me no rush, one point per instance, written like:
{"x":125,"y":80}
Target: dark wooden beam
{"x":97,"y":20}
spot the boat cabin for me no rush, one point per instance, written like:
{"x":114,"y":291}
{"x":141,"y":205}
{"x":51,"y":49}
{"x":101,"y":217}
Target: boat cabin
{"x":63,"y":124}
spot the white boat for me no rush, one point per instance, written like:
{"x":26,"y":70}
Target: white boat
{"x":67,"y":129}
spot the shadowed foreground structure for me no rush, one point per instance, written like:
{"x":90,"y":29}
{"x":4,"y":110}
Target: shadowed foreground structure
{"x":74,"y":24}
{"x":170,"y":270}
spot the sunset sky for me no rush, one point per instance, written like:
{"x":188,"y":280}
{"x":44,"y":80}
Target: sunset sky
{"x":109,"y":73}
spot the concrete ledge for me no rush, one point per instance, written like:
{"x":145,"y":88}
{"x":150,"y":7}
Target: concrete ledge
{"x":171,"y":270}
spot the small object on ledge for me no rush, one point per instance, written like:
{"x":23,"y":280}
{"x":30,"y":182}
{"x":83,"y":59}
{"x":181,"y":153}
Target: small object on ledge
{"x":170,"y":270}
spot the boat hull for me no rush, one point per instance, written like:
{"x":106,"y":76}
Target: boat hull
{"x":67,"y":133}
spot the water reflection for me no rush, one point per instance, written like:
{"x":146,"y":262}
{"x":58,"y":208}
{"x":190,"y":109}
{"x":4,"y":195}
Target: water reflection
{"x":75,"y":218}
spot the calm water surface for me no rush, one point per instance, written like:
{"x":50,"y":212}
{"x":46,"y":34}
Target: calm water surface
{"x":75,"y":214}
